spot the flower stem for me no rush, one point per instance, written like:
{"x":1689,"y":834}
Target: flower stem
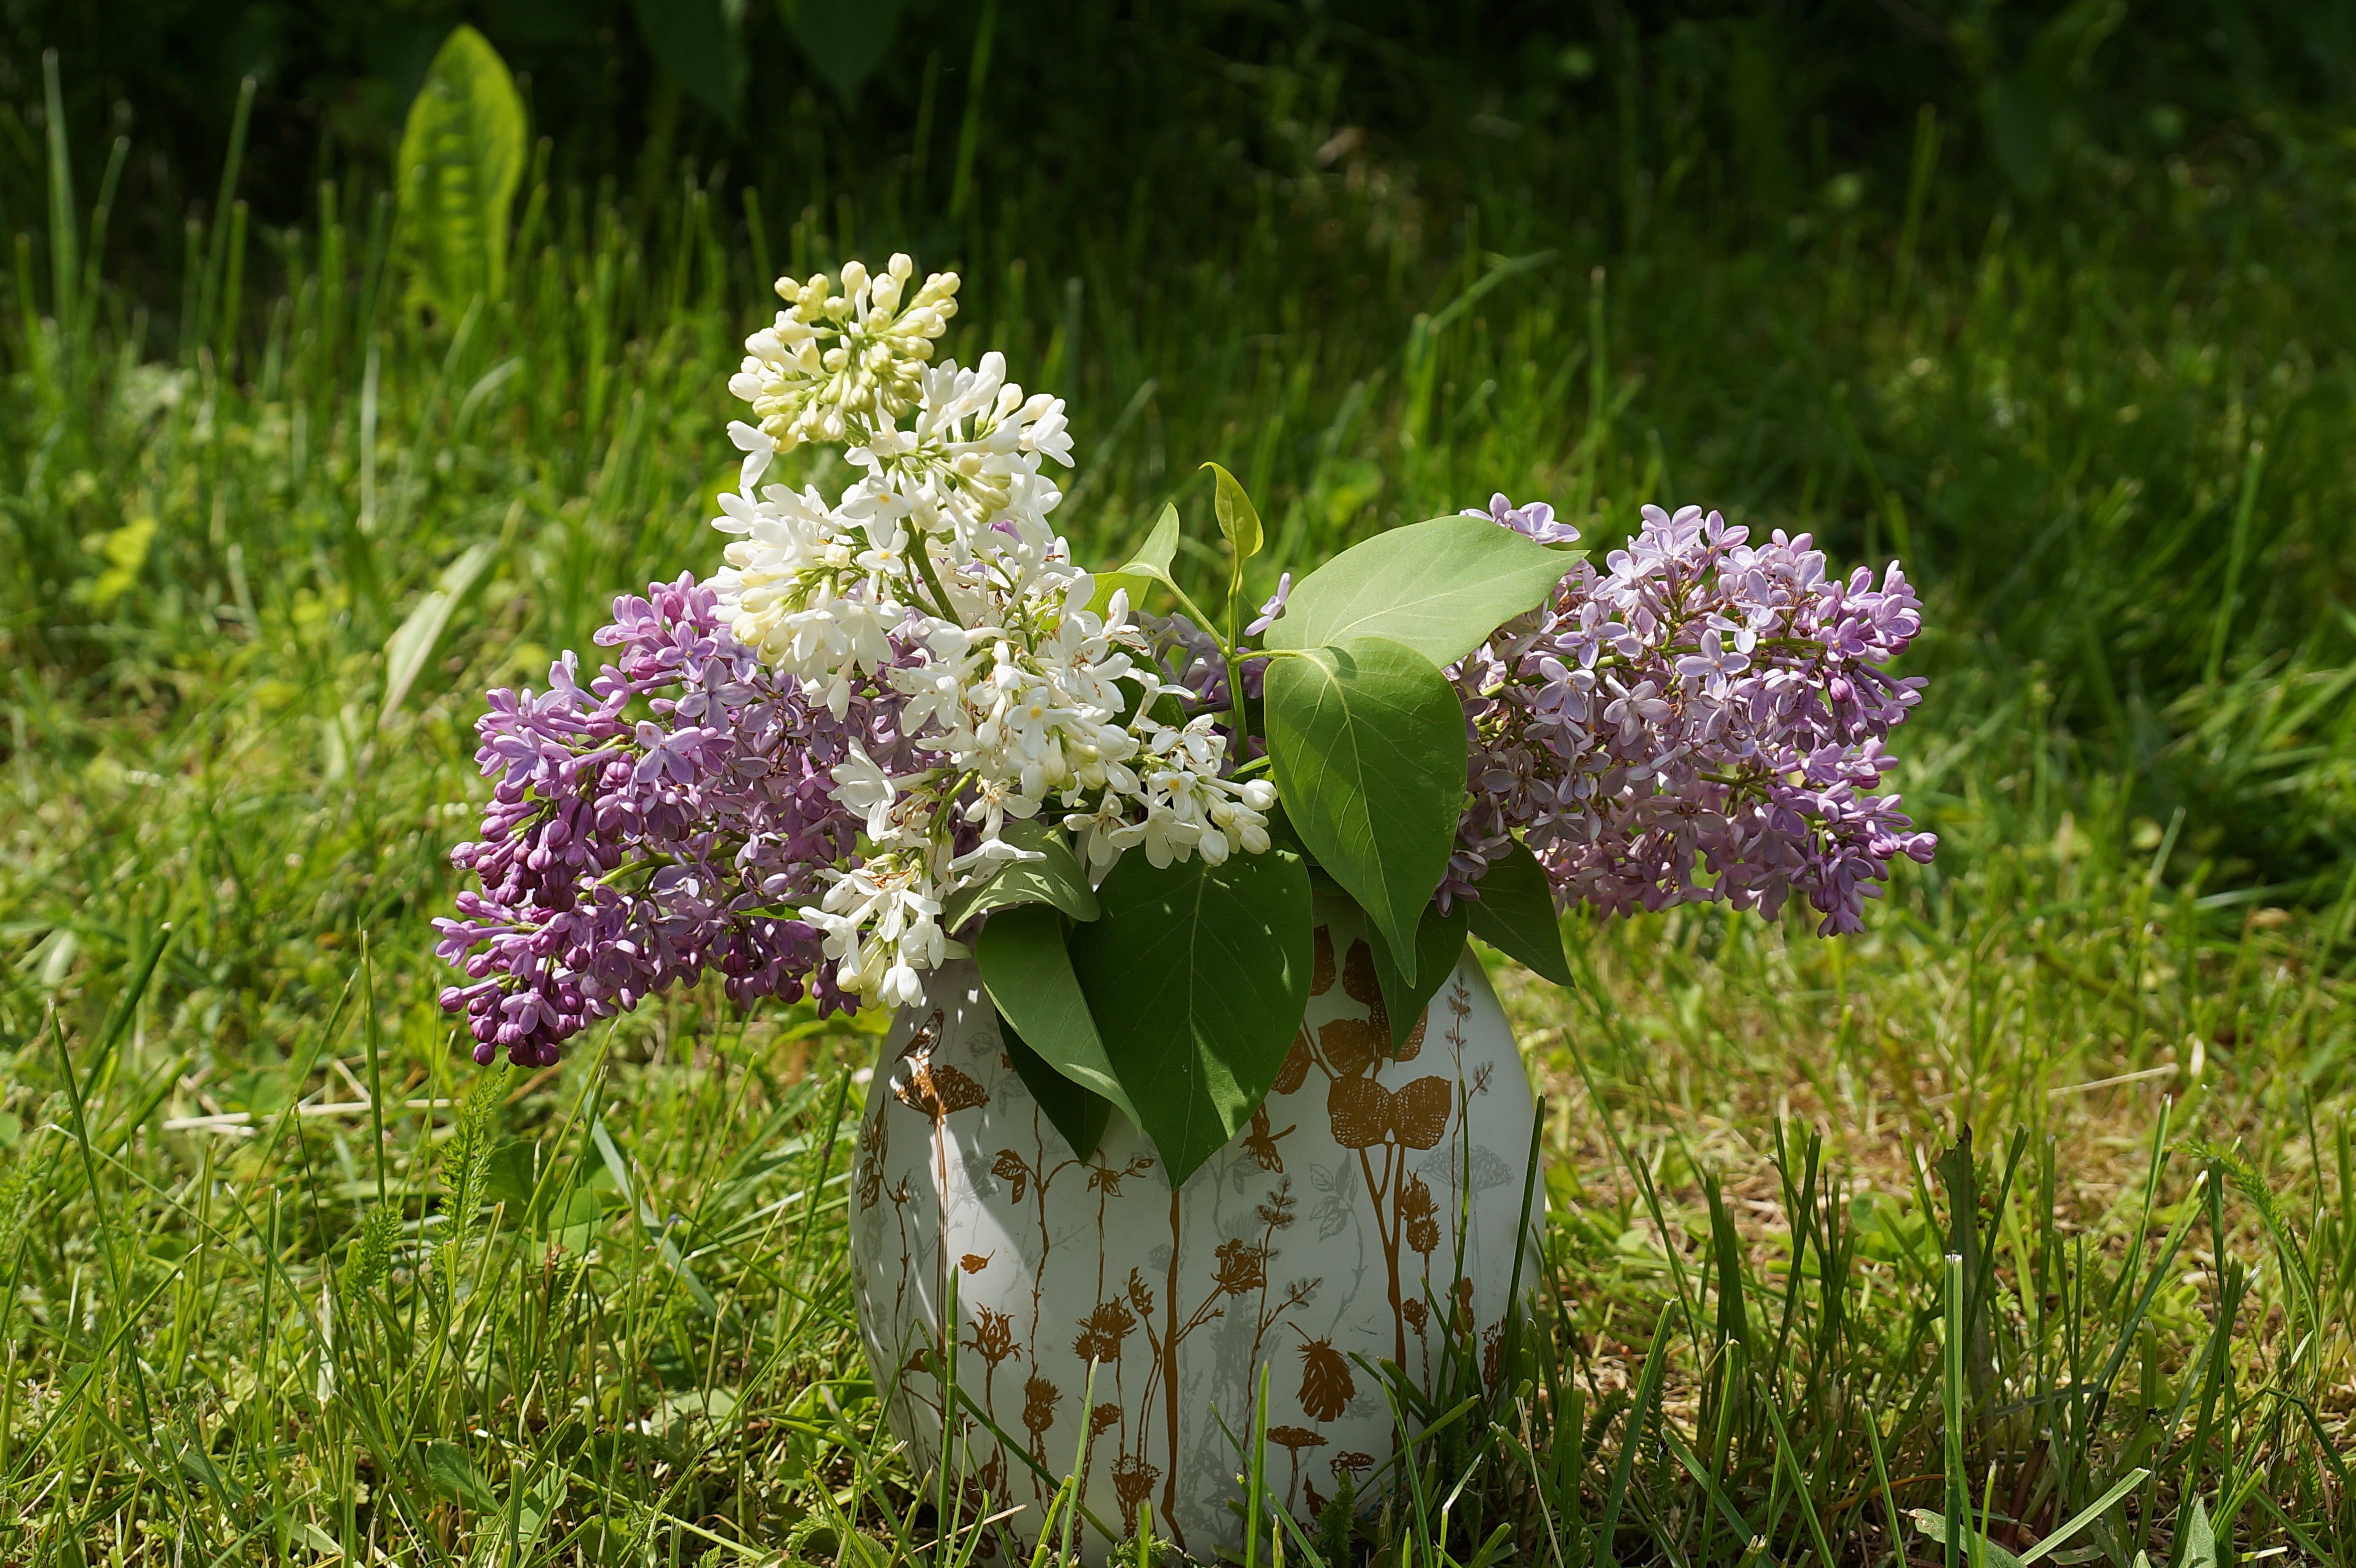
{"x":1201,"y":617}
{"x":1235,"y":665}
{"x":932,"y":580}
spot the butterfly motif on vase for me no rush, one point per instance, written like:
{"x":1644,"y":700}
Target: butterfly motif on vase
{"x":1365,"y":1115}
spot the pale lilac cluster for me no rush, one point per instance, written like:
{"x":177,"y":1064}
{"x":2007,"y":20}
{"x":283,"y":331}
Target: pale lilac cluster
{"x":945,"y":541}
{"x":668,"y":819}
{"x":1702,"y":720}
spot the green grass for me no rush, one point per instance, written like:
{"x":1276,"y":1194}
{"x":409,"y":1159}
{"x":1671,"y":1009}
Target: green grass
{"x":286,"y":1277}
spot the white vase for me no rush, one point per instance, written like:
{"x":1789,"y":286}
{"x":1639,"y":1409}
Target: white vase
{"x":1327,"y":1232}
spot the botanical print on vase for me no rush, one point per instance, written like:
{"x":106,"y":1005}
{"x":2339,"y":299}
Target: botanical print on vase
{"x":1325,"y":1230}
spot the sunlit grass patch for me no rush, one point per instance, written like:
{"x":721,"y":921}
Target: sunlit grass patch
{"x":285,"y":1278}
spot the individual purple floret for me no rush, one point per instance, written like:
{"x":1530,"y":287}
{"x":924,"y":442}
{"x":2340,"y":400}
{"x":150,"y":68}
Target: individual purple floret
{"x":1535,"y":521}
{"x":665,"y":821}
{"x":1273,"y":610}
{"x":1703,"y":720}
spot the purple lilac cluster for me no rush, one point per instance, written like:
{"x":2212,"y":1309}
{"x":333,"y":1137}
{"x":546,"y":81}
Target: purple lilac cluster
{"x":666,"y":819}
{"x":1193,"y":658}
{"x":1702,"y":720}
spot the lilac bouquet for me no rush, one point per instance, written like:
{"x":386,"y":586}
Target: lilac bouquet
{"x":901,"y":726}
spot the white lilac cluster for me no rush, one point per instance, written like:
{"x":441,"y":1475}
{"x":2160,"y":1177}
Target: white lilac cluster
{"x":936,"y":573}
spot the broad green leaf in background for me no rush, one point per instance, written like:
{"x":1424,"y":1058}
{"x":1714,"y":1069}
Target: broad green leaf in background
{"x":2200,"y":1538}
{"x":845,"y":40}
{"x":536,"y":1500}
{"x":2020,"y":111}
{"x":1515,"y":913}
{"x":1440,"y":588}
{"x":2026,"y":110}
{"x":1368,"y":742}
{"x":1149,"y":566}
{"x":451,"y":1471}
{"x":414,"y":641}
{"x":574,"y":1217}
{"x":513,"y":1174}
{"x":1238,"y":518}
{"x":1439,"y":941}
{"x":461,"y":156}
{"x":1030,"y":979}
{"x":1054,"y":878}
{"x":699,"y":45}
{"x":1197,"y":976}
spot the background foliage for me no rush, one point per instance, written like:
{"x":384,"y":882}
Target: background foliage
{"x":2054,"y":302}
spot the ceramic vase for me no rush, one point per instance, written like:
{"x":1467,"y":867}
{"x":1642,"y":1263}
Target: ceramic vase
{"x":1375,"y":1204}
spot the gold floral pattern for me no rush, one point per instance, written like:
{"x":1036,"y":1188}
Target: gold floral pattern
{"x":1315,"y":1238}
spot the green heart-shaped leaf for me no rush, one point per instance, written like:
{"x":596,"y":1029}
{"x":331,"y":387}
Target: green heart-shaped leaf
{"x":1369,"y":745}
{"x":1028,"y":973}
{"x":699,"y":44}
{"x":845,"y":42}
{"x":1054,"y":878}
{"x":1238,"y":518}
{"x":1440,"y":588}
{"x":1198,"y":975}
{"x":1439,"y":941}
{"x":1514,"y":912}
{"x":1149,"y":566}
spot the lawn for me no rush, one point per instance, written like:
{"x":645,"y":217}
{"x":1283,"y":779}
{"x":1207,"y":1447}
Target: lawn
{"x":287,"y":1278}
